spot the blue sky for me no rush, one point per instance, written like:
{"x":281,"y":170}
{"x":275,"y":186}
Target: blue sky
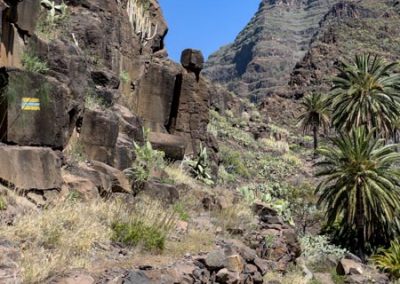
{"x":204,"y":24}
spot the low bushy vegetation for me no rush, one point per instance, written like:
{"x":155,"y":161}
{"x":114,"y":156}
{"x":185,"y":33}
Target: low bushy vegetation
{"x":66,"y":236}
{"x":147,"y":161}
{"x":221,"y":127}
{"x":3,"y":203}
{"x":200,"y":166}
{"x":93,"y":102}
{"x":389,"y":259}
{"x":234,"y":162}
{"x":52,"y":19}
{"x":33,"y":63}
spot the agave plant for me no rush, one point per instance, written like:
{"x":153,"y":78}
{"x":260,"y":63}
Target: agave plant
{"x":200,"y":166}
{"x":389,"y":259}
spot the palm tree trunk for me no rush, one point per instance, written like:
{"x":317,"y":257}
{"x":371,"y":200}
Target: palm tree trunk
{"x":315,"y":134}
{"x":360,"y":226}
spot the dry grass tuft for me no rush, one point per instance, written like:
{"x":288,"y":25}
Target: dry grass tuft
{"x":178,"y":174}
{"x":237,"y":216}
{"x":194,"y":242}
{"x":69,"y":235}
{"x":271,"y":145}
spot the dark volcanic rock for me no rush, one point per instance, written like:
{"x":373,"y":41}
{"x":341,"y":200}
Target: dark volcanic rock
{"x":260,"y":60}
{"x":30,"y":167}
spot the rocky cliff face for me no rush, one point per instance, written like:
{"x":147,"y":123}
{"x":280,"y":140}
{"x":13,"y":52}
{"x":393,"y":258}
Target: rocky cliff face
{"x":349,"y":28}
{"x":262,"y":56}
{"x":291,"y":47}
{"x":92,"y":73}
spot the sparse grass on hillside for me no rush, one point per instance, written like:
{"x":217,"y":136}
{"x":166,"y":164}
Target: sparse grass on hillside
{"x":33,"y":63}
{"x":67,"y":235}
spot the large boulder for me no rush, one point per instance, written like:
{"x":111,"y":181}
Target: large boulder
{"x":99,"y":134}
{"x":192,"y":60}
{"x":173,"y":146}
{"x":39,"y":110}
{"x":163,"y":192}
{"x":349,"y":267}
{"x":94,"y":180}
{"x":155,"y":93}
{"x":30,"y":167}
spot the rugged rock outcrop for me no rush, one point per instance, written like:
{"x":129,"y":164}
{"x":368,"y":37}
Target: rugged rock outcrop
{"x":97,"y":69}
{"x":291,"y":47}
{"x":260,"y":60}
{"x":348,"y":28}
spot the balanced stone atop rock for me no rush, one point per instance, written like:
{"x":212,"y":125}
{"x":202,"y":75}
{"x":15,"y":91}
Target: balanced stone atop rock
{"x":192,"y":60}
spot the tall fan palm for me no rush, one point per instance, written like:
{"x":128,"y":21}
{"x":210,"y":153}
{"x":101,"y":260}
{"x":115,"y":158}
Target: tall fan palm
{"x":366,"y":92}
{"x":315,"y":114}
{"x":360,"y":188}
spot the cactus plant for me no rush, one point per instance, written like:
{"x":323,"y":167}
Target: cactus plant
{"x":199,"y":167}
{"x":139,"y":16}
{"x":53,"y":9}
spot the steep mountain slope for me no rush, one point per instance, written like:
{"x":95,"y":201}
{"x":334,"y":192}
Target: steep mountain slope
{"x":264,"y":53}
{"x":347,"y":29}
{"x":291,"y":47}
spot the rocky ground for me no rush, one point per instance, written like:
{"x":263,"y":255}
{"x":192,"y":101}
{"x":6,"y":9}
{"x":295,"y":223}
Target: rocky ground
{"x":101,"y":140}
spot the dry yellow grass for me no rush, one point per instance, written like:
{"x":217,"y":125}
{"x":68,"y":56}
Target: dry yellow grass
{"x":180,"y":176}
{"x":293,"y":277}
{"x":69,"y":235}
{"x":279,"y":147}
{"x":238,"y":216}
{"x":195,"y":241}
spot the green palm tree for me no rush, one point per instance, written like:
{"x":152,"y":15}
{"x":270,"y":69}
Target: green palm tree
{"x":360,"y":188}
{"x":315,"y":114}
{"x":366,"y":92}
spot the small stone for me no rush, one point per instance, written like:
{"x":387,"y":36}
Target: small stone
{"x":263,"y":265}
{"x":349,"y":267}
{"x":77,"y":279}
{"x":234,"y":263}
{"x":215,"y":259}
{"x":224,"y":276}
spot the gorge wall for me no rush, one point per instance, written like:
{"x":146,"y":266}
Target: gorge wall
{"x":291,"y":47}
{"x":91,"y":74}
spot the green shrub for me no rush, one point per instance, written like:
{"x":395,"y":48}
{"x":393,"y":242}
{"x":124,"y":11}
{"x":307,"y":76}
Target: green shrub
{"x":318,"y":246}
{"x":389,"y":259}
{"x":233,"y":162}
{"x":124,"y":77}
{"x":137,"y":233}
{"x":224,"y":128}
{"x":274,"y":195}
{"x":33,"y":63}
{"x":92,"y":101}
{"x":147,"y":160}
{"x":52,"y":19}
{"x":3,"y":203}
{"x":181,"y":211}
{"x":337,"y":279}
{"x":278,"y":147}
{"x":146,"y":225}
{"x":224,"y":176}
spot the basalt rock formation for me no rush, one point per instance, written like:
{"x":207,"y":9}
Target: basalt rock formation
{"x":291,"y":47}
{"x":261,"y":58}
{"x":93,"y":73}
